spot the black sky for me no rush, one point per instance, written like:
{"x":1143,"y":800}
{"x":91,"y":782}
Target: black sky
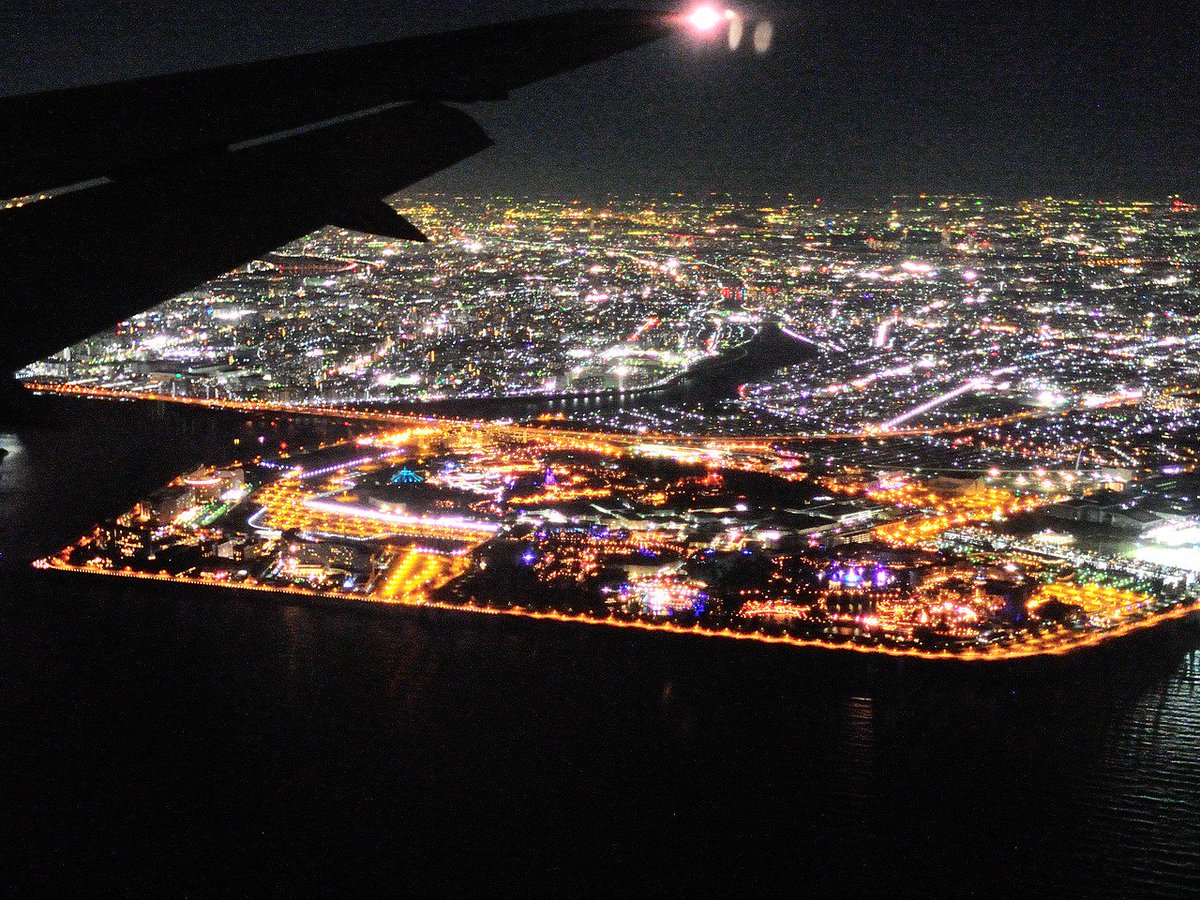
{"x":854,"y":99}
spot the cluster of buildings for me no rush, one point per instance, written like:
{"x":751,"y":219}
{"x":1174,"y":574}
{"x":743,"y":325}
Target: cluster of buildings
{"x":935,"y":422}
{"x":542,"y":522}
{"x":926,"y":310}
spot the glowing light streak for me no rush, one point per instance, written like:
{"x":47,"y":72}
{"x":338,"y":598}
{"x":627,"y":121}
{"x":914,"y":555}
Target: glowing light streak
{"x":451,"y":523}
{"x":881,"y":333}
{"x":973,"y":384}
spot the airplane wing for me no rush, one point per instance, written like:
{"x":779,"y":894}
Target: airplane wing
{"x":189,"y":175}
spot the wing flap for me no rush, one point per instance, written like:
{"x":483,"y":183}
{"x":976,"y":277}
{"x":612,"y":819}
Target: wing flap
{"x":382,"y":220}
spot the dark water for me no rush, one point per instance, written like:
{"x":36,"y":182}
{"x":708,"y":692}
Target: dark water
{"x":705,"y":383}
{"x":163,"y":740}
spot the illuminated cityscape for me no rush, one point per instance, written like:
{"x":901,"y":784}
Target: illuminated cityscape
{"x":668,"y":448}
{"x":927,"y":310}
{"x":943,"y":426}
{"x":922,"y":312}
{"x":704,"y":536}
{"x":645,"y":449}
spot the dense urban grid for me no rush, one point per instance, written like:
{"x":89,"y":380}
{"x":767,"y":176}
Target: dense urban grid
{"x":945,"y":425}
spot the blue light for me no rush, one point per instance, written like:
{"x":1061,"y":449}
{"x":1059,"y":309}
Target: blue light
{"x":529,"y":557}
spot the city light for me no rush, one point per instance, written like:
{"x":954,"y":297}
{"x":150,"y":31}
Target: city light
{"x":946,"y":460}
{"x":390,"y":527}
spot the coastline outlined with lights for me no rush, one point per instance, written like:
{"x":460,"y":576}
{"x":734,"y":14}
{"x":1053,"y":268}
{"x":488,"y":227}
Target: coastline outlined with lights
{"x":477,"y":518}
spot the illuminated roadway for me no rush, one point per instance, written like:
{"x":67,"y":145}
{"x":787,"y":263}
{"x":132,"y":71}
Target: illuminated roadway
{"x":762,"y":442}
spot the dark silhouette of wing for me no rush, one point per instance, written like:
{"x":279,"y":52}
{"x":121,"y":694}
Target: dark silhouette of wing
{"x":81,"y":262}
{"x":197,"y":173}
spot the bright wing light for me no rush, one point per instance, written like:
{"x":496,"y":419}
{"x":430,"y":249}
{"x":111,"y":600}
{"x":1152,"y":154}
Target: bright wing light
{"x":705,"y":18}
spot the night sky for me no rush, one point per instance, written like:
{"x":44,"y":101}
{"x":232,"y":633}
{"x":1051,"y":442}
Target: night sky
{"x":854,"y":100}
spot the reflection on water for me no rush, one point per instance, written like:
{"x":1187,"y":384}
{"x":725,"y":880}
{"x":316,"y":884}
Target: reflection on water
{"x":148,"y":729}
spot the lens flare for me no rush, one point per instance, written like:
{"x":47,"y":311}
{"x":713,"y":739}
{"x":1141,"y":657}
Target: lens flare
{"x":764,"y":33}
{"x":736,"y":30}
{"x":705,"y":18}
